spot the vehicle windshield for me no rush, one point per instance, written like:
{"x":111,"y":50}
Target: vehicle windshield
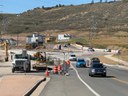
{"x":97,"y":66}
{"x":73,"y":55}
{"x":19,"y":56}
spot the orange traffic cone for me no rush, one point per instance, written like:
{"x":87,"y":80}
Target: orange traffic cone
{"x":47,"y":73}
{"x":55,"y":69}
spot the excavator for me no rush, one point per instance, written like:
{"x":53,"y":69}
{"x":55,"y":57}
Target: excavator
{"x":5,"y":44}
{"x":40,"y":61}
{"x":39,"y":57}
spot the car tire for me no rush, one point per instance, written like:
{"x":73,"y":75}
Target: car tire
{"x":90,"y":75}
{"x":13,"y":70}
{"x":104,"y":75}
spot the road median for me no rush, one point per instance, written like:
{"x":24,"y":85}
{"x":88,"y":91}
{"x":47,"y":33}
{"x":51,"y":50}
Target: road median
{"x":19,"y":85}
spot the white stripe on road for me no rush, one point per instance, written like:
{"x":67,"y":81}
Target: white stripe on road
{"x":93,"y":91}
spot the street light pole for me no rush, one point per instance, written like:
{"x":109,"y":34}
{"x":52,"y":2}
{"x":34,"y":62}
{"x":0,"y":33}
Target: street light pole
{"x":64,"y":55}
{"x":93,"y":28}
{"x":2,"y":18}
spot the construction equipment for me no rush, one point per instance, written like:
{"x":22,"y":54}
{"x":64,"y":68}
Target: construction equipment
{"x":31,"y":46}
{"x":21,"y":62}
{"x":40,"y":61}
{"x":39,"y":57}
{"x":5,"y":44}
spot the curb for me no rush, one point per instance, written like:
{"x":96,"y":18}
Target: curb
{"x":35,"y":86}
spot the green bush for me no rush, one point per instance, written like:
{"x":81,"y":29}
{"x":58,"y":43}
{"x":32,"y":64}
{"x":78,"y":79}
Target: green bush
{"x":80,"y":41}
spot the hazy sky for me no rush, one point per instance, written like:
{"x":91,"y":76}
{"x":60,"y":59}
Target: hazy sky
{"x":19,"y":6}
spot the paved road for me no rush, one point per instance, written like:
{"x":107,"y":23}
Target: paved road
{"x":115,"y":84}
{"x":65,"y":86}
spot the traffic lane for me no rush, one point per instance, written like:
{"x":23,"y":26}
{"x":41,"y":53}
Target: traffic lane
{"x":120,"y":74}
{"x":65,"y":86}
{"x":105,"y":86}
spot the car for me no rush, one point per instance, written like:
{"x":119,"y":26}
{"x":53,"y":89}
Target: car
{"x":95,"y":60}
{"x":107,"y":50}
{"x":80,"y":62}
{"x":97,"y":69}
{"x":72,"y":57}
{"x":90,"y":49}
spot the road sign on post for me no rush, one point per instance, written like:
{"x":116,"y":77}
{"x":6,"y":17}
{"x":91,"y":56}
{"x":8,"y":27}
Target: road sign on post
{"x":118,"y":53}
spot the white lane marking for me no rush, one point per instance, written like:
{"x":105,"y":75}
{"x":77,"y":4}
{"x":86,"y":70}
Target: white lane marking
{"x":93,"y":91}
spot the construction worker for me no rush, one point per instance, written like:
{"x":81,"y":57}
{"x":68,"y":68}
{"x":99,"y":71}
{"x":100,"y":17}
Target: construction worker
{"x":68,"y":62}
{"x":65,"y":67}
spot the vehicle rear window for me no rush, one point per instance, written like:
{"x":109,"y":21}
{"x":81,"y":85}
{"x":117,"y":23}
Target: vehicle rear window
{"x":80,"y":60}
{"x":97,"y":66}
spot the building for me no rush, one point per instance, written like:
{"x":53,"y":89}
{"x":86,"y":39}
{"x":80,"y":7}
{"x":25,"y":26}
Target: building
{"x":64,"y":37}
{"x":35,"y":38}
{"x":10,"y":41}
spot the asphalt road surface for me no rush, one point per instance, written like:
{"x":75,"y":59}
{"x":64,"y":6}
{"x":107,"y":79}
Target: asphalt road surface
{"x":80,"y":84}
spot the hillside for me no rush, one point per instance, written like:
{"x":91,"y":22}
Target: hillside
{"x":100,"y":25}
{"x":99,"y":17}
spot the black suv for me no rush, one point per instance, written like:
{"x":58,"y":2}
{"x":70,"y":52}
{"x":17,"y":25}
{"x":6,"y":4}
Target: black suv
{"x":97,"y":69}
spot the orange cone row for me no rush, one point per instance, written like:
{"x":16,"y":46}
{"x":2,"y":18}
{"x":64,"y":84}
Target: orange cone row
{"x":57,"y":69}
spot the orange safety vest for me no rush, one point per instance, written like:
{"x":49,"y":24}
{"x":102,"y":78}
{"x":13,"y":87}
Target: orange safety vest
{"x":68,"y":62}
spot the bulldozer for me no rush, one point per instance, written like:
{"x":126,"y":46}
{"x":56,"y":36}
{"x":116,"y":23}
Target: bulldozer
{"x":5,"y":44}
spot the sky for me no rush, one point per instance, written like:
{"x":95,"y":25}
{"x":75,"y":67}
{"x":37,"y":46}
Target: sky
{"x":20,"y":6}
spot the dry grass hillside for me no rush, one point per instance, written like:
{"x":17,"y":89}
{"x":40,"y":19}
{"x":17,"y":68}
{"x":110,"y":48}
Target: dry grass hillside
{"x":99,"y":17}
{"x":101,"y":24}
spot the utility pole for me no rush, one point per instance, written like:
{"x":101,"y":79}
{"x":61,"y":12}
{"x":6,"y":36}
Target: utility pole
{"x":93,"y":28}
{"x":1,"y":18}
